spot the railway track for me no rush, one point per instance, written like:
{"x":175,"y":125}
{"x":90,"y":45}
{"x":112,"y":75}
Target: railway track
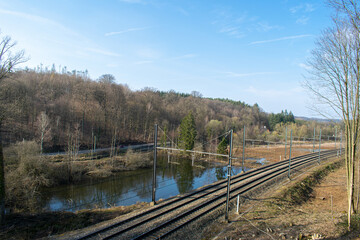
{"x":167,"y":217}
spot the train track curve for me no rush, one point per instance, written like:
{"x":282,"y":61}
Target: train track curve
{"x":171,"y":215}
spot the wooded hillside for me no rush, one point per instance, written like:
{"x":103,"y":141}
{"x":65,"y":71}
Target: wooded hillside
{"x":57,"y":108}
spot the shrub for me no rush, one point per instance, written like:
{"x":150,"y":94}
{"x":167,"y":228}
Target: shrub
{"x":136,"y":159}
{"x":24,"y":180}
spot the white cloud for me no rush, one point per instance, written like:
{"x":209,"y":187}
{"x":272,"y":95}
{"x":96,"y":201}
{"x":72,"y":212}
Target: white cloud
{"x":304,"y":7}
{"x":302,"y":20}
{"x":240,"y":25}
{"x":102,"y":52}
{"x":309,"y":7}
{"x":232,"y":31}
{"x":304,"y":66}
{"x":126,"y":31}
{"x":265,"y":27}
{"x":302,"y":12}
{"x":281,"y":39}
{"x":41,"y":20}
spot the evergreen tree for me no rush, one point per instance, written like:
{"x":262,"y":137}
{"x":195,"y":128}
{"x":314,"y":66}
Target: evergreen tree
{"x":222,"y":147}
{"x":187,"y":132}
{"x":283,"y":117}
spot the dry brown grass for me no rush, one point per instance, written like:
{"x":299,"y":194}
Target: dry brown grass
{"x":276,"y":153}
{"x":42,"y":225}
{"x":134,"y":160}
{"x":273,"y":217}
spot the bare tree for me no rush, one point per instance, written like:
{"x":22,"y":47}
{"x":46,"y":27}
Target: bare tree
{"x":8,"y":61}
{"x":335,"y":80}
{"x":44,"y":128}
{"x":73,"y":146}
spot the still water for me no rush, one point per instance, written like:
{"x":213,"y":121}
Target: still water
{"x":126,"y":188}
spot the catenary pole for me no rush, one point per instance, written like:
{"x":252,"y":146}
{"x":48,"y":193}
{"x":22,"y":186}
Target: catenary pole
{"x":243,"y":153}
{"x":319,"y":145}
{"x":229,"y":178}
{"x":155,"y":156}
{"x":285,"y":140}
{"x":314,"y":141}
{"x":290,"y":153}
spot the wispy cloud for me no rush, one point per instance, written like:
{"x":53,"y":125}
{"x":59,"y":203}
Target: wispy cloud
{"x":125,"y":31}
{"x":281,"y":39}
{"x":304,"y":66}
{"x":240,"y":25}
{"x":39,"y":19}
{"x":304,"y":7}
{"x":304,"y":11}
{"x":265,"y":27}
{"x":232,"y":31}
{"x":302,"y":20}
{"x":103,"y":52}
{"x":189,"y":55}
{"x":229,"y":23}
{"x":240,"y":75}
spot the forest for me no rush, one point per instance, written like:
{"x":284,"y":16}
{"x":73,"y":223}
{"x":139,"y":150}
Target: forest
{"x":55,"y":109}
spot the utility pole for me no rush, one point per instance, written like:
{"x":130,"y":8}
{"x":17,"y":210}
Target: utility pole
{"x":335,"y":137}
{"x":154,"y":173}
{"x":290,"y":153}
{"x":319,"y":145}
{"x":243,"y":153}
{"x":314,"y":141}
{"x":285,"y":141}
{"x":229,"y":178}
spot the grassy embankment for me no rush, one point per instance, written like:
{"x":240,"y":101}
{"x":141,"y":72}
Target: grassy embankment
{"x":312,"y":206}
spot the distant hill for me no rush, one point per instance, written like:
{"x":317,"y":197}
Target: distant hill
{"x":317,"y":119}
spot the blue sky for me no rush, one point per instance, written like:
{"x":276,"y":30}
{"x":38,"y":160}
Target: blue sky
{"x":252,"y":51}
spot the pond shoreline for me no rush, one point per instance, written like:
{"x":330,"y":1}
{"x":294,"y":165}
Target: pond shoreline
{"x":128,"y":187}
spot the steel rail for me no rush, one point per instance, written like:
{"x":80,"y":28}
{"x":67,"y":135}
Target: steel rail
{"x":217,"y":186}
{"x":247,"y":187}
{"x":188,"y":200}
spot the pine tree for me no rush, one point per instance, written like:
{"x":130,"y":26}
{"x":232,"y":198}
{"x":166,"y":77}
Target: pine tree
{"x":187,"y":132}
{"x":222,"y":147}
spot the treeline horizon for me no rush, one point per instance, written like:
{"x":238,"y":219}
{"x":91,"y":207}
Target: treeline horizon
{"x":63,"y":109}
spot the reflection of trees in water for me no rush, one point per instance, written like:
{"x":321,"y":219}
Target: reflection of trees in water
{"x":184,"y":177}
{"x":103,"y":193}
{"x":220,"y":173}
{"x":124,"y":185}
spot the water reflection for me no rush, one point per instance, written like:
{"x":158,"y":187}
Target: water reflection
{"x":185,"y":177}
{"x":126,"y":188}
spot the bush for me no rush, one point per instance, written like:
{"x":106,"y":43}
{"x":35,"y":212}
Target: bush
{"x":136,"y":159}
{"x":25,"y":178}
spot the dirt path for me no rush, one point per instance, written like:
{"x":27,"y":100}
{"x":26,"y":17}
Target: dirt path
{"x":272,"y":217}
